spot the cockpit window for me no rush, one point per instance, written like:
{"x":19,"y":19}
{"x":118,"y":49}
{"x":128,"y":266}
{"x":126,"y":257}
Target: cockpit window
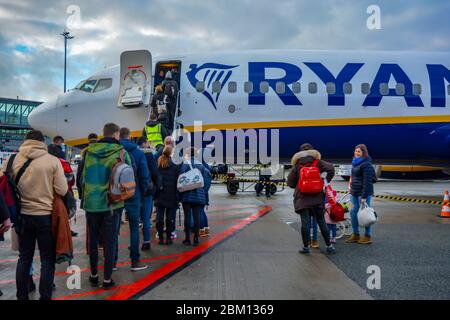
{"x":103,"y":84}
{"x":87,"y":85}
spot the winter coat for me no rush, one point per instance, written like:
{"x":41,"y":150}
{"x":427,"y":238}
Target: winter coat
{"x":154,"y":174}
{"x":139,"y":162}
{"x":61,"y":231}
{"x":304,"y":201}
{"x":41,"y":179}
{"x":99,"y":160}
{"x":164,"y":120}
{"x":197,"y":196}
{"x":362,"y":179}
{"x":168,"y":196}
{"x":154,"y":103}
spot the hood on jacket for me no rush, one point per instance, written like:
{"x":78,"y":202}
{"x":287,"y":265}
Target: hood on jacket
{"x":129,"y":145}
{"x":32,"y":149}
{"x":311,"y":154}
{"x":104,"y":150}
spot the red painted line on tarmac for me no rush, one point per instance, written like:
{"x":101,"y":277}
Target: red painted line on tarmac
{"x":129,"y":291}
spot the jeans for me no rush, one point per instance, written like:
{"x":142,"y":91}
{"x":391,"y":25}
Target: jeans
{"x":332,"y":228}
{"x":187,"y":207}
{"x":356,"y":201}
{"x":319,"y":214}
{"x":260,"y":186}
{"x":146,"y":211}
{"x":314,"y":227}
{"x":203,"y":218}
{"x":104,"y":224}
{"x":168,"y":214}
{"x":36,"y":228}
{"x":132,"y":208}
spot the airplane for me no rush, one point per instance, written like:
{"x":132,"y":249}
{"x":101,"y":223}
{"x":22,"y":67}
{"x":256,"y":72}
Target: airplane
{"x":397,"y":103}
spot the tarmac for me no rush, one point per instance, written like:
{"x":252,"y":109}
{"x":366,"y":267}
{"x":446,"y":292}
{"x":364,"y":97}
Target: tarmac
{"x":252,"y":253}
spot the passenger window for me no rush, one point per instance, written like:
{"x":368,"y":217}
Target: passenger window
{"x":103,"y":84}
{"x":400,"y":89}
{"x":347,"y":88}
{"x":248,"y":87}
{"x":264,"y":87}
{"x":216,"y":87}
{"x":280,"y":87}
{"x":331,"y":88}
{"x":312,"y":87}
{"x":384,"y":89}
{"x":88,"y":86}
{"x":232,"y":86}
{"x":365,"y":88}
{"x":417,"y":89}
{"x":200,"y":86}
{"x":296,"y":87}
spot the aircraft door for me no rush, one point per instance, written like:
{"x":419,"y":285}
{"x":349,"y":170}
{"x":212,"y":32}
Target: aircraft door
{"x":135,"y":79}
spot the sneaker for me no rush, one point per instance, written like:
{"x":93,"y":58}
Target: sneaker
{"x":314,"y":244}
{"x":304,"y":251}
{"x":207,"y":231}
{"x":138,"y":266}
{"x":31,"y":285}
{"x":365,"y":240}
{"x":145,"y":247}
{"x":331,"y":250}
{"x":174,"y":235}
{"x":108,"y":285}
{"x":354,"y":238}
{"x":141,"y":225}
{"x":333,"y":240}
{"x":114,"y":268}
{"x":93,"y":280}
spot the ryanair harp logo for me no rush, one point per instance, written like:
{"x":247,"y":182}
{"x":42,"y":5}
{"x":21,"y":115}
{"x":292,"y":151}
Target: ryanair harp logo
{"x":209,"y":73}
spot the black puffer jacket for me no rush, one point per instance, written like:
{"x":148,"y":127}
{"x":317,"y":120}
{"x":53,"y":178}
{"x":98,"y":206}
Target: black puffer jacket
{"x":168,"y":196}
{"x":362,"y":179}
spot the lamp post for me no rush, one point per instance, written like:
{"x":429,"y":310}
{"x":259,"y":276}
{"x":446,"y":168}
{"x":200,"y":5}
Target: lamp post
{"x":66,"y":36}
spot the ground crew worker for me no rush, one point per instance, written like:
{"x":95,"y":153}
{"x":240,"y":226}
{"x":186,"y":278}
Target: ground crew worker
{"x":155,"y":132}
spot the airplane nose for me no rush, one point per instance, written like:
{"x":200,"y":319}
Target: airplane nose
{"x":43,"y":118}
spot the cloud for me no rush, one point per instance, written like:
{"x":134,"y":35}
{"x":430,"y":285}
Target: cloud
{"x":31,"y":48}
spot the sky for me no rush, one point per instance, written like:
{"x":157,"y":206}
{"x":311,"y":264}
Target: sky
{"x":32,"y":49}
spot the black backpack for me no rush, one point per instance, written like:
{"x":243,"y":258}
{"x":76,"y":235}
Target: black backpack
{"x":169,"y":89}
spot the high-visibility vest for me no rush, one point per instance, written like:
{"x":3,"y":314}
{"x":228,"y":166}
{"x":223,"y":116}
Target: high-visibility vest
{"x":154,"y":135}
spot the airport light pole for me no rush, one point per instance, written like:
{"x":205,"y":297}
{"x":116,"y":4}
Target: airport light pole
{"x":66,"y":36}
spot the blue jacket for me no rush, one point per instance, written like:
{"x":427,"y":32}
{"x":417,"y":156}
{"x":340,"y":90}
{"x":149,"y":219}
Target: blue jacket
{"x":198,"y":196}
{"x":153,"y":172}
{"x":362,"y":179}
{"x":139,"y":165}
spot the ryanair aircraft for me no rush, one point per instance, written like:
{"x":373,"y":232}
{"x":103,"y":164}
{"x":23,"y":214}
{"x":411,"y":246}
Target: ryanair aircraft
{"x":397,"y":103}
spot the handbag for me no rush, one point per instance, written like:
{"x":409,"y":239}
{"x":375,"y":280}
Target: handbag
{"x":190,"y":180}
{"x":367,"y":216}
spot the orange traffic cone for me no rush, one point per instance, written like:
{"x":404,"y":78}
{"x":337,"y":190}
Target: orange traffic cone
{"x":445,"y":210}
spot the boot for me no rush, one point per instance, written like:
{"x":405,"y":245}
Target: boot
{"x":196,"y":236}
{"x":187,"y":239}
{"x":365,"y":240}
{"x":314,"y":244}
{"x":354,"y":238}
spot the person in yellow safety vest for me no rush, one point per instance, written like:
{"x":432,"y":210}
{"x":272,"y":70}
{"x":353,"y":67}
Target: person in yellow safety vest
{"x":155,"y":132}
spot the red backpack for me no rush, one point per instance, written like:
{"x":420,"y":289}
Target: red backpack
{"x":310,"y":181}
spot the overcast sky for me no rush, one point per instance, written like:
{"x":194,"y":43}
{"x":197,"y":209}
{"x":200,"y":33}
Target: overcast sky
{"x":32,"y":51}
